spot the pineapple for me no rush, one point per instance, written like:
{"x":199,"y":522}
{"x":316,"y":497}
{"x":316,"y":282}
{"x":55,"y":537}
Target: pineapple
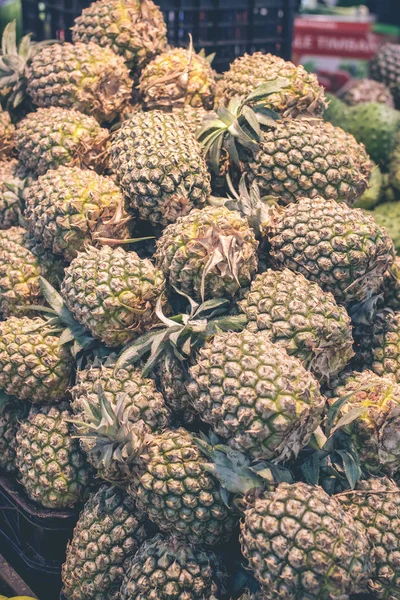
{"x":391,"y":286}
{"x":301,"y":319}
{"x":177,"y":77}
{"x":366,"y":90}
{"x":310,"y":158}
{"x":22,"y":262}
{"x":8,"y":169}
{"x":165,"y":568}
{"x":136,"y":399}
{"x":209,"y":253}
{"x":68,"y":209}
{"x":375,"y":504}
{"x":287,"y":158}
{"x":12,"y":414}
{"x":166,"y":475}
{"x":255,"y":396}
{"x":375,"y":433}
{"x":170,"y":484}
{"x":135,"y":29}
{"x":301,"y":543}
{"x":109,"y":531}
{"x":112,"y":293}
{"x":384,"y":67}
{"x":33,"y":364}
{"x":341,"y":249}
{"x":7,"y":131}
{"x":301,"y":95}
{"x":52,"y":468}
{"x":86,"y":77}
{"x":56,"y":136}
{"x":160,"y":167}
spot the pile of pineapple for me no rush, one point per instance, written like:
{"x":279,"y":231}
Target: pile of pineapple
{"x":199,"y":336}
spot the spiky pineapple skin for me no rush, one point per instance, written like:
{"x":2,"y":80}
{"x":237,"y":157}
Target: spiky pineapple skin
{"x":301,"y":319}
{"x":375,"y":504}
{"x":52,"y":468}
{"x":33,"y":365}
{"x":186,"y":248}
{"x":376,"y":432}
{"x":7,"y":131}
{"x":313,"y":158}
{"x":341,"y":249}
{"x":160,"y":167}
{"x":166,"y":568}
{"x":135,"y":30}
{"x":11,"y":205}
{"x":12,"y":413}
{"x":109,"y":531}
{"x":246,"y":73}
{"x":140,"y":399}
{"x":86,"y":77}
{"x":22,"y":262}
{"x":259,"y":399}
{"x":367,"y":90}
{"x":169,"y":483}
{"x":56,"y":136}
{"x":68,"y":209}
{"x":112,"y":293}
{"x":384,"y":67}
{"x":8,"y":168}
{"x":175,"y":78}
{"x":301,"y":544}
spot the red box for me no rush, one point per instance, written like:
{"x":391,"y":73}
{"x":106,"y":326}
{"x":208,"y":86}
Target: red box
{"x":336,"y":49}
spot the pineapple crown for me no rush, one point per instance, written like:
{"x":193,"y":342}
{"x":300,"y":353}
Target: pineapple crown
{"x":61,"y":318}
{"x":14,"y":60}
{"x":114,"y":437}
{"x":238,"y":124}
{"x":331,"y":459}
{"x":237,"y":475}
{"x":259,"y":211}
{"x":182,"y":334}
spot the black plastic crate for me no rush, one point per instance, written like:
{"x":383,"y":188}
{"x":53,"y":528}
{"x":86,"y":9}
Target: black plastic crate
{"x":34,"y":539}
{"x":228,"y":27}
{"x":11,"y":584}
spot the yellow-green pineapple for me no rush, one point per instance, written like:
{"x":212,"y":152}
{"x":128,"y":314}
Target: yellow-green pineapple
{"x":135,"y":29}
{"x":300,"y":318}
{"x":302,"y":95}
{"x":68,"y":209}
{"x":160,"y":167}
{"x":112,"y":293}
{"x":22,"y":261}
{"x":209,"y":253}
{"x":56,"y":136}
{"x":177,"y":77}
{"x":51,"y":466}
{"x":110,"y":530}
